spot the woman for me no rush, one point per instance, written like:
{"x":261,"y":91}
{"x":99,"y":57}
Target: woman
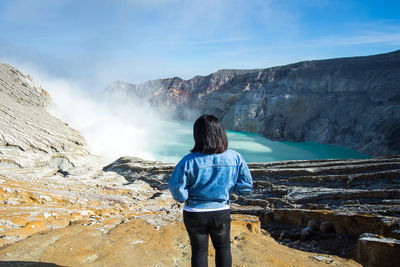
{"x":204,"y":181}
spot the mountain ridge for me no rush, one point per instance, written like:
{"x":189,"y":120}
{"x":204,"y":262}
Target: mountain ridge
{"x":395,"y":53}
{"x":352,"y":101}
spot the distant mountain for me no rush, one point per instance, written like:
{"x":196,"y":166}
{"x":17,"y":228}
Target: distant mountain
{"x":353,"y":102}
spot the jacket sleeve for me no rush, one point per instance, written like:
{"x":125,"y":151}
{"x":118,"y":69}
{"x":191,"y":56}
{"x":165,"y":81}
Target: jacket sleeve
{"x":244,"y":182}
{"x":178,"y":184}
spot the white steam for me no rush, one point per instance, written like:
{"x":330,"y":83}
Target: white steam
{"x":112,"y":129}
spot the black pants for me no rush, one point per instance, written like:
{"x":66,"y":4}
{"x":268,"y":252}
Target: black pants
{"x":216,"y":224}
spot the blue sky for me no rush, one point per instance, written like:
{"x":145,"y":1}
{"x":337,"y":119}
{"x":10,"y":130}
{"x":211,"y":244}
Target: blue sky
{"x":99,"y":41}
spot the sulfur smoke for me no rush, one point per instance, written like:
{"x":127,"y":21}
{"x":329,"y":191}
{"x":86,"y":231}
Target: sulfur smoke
{"x":112,"y":129}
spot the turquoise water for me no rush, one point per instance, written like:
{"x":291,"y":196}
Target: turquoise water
{"x":175,"y":139}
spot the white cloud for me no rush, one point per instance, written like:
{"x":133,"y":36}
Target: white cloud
{"x":388,"y":38}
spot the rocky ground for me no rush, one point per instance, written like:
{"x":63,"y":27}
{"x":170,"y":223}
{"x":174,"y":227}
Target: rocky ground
{"x":72,"y":221}
{"x":106,"y":221}
{"x":348,"y":208}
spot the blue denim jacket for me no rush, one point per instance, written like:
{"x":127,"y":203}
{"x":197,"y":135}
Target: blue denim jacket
{"x":205,"y":181}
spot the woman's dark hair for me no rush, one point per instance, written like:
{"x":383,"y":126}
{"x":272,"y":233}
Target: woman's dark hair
{"x":209,"y":135}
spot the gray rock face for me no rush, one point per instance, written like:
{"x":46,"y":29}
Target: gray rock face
{"x":29,"y":136}
{"x":353,"y":102}
{"x":154,"y":173}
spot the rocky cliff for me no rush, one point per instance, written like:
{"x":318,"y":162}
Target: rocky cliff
{"x":353,"y":102}
{"x":30,"y":136}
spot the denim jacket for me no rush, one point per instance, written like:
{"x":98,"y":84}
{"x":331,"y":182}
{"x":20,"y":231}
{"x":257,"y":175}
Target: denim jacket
{"x":205,"y":181}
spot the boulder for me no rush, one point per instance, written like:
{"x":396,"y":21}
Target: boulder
{"x":374,"y":250}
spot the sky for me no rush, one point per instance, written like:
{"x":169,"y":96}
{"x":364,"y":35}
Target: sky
{"x":95,"y":42}
{"x":75,"y":48}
